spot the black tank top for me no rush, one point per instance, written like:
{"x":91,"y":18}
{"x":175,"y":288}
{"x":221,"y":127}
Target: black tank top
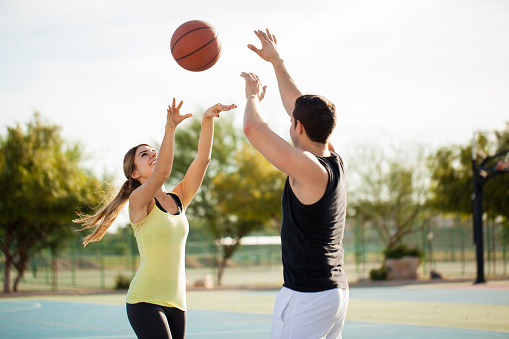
{"x":175,"y":198}
{"x":312,"y":235}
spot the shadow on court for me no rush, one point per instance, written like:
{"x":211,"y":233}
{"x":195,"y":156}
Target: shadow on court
{"x":460,"y":310}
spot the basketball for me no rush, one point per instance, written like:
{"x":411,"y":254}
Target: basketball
{"x":195,"y":45}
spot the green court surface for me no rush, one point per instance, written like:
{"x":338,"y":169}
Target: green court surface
{"x":448,"y":310}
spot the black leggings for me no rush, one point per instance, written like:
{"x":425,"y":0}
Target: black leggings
{"x":153,"y":321}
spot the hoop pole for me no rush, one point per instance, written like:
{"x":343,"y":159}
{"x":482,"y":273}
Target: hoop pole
{"x":477,"y":221}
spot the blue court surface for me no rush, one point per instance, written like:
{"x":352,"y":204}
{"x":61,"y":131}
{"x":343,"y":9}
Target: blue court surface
{"x":426,"y":311}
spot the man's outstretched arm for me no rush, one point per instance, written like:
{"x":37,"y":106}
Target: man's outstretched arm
{"x":287,"y":87}
{"x":298,"y":164}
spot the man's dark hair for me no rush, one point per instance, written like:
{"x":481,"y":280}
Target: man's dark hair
{"x":317,"y":115}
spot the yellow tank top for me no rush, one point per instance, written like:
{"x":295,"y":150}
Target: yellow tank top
{"x":160,"y":279}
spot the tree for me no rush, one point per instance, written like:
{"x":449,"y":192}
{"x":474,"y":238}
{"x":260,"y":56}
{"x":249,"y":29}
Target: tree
{"x":452,"y":178}
{"x":388,"y":191}
{"x":233,"y":168}
{"x":118,"y":242}
{"x":248,"y":200}
{"x":226,"y":142}
{"x":42,"y":185}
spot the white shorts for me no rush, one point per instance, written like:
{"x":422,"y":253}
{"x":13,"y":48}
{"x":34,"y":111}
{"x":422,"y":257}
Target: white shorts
{"x":309,"y":315}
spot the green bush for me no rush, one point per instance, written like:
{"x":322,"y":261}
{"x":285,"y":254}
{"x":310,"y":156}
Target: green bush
{"x":400,"y":251}
{"x":122,"y":282}
{"x":394,"y":252}
{"x":378,"y":273}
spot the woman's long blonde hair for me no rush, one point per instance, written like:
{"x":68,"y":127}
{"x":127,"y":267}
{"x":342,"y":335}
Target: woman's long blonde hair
{"x":109,"y":211}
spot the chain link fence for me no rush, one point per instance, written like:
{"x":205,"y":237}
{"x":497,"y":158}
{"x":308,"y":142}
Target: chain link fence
{"x":447,"y":248}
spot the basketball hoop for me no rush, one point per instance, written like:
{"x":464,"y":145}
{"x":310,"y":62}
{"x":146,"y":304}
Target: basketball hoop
{"x":482,"y":172}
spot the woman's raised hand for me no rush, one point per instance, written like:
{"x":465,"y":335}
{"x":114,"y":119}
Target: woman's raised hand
{"x":173,"y":117}
{"x":216,"y":109}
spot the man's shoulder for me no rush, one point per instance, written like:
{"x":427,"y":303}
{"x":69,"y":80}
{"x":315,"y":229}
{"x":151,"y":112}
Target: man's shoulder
{"x":333,"y":159}
{"x":310,"y":186}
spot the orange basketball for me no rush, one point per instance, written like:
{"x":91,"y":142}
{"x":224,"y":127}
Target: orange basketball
{"x":195,"y":45}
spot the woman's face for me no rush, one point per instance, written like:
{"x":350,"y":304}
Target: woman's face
{"x":144,"y":162}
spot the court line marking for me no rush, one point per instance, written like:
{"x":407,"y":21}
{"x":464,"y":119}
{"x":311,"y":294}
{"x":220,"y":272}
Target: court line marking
{"x":32,"y":306}
{"x":226,"y":332}
{"x":380,"y":322}
{"x":101,"y":337}
{"x":187,"y":334}
{"x":63,"y":325}
{"x":230,"y":311}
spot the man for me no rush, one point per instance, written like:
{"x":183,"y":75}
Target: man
{"x":314,"y":297}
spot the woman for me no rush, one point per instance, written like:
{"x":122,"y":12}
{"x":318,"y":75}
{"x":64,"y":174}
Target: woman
{"x":156,"y":301}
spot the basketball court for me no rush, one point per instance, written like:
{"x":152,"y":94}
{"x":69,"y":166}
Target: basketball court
{"x":448,"y":310}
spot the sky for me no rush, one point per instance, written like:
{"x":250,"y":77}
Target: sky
{"x":399,"y":71}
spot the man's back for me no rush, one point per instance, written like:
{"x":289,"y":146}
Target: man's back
{"x":312,"y":235}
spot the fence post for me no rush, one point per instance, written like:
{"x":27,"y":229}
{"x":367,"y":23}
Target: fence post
{"x":101,"y":263}
{"x":424,"y":241}
{"x":133,"y":251}
{"x":452,"y":244}
{"x":54,"y":268}
{"x":73,"y":263}
{"x":214,"y":261}
{"x":356,"y":243}
{"x":488,"y":245}
{"x":463,"y":259}
{"x":46,"y":266}
{"x":504,"y":249}
{"x":494,"y":247}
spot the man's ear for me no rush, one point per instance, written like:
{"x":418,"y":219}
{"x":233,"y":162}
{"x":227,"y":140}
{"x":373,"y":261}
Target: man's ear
{"x":299,"y":128}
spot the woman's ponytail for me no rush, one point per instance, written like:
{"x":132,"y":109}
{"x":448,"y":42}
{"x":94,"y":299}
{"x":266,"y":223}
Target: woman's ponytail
{"x":104,"y":218}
